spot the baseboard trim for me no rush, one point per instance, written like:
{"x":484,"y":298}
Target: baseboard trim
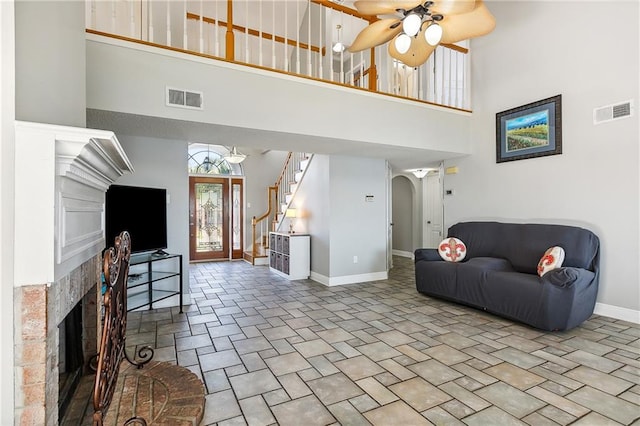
{"x":402,"y":253}
{"x":348,"y":279}
{"x":617,"y":312}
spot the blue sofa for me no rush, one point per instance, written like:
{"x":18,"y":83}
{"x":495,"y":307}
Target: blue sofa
{"x":499,"y":272}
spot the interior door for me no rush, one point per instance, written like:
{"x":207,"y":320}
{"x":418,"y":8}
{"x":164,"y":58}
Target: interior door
{"x":433,"y":226}
{"x":208,"y":218}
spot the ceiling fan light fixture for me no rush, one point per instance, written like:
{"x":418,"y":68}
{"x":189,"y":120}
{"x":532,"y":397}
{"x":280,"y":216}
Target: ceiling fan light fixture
{"x":433,"y":34}
{"x":411,"y":24}
{"x":402,"y":43}
{"x":338,"y":47}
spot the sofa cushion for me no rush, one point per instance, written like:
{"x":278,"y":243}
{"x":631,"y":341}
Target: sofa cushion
{"x":452,"y":249}
{"x":551,"y":259}
{"x":523,"y":243}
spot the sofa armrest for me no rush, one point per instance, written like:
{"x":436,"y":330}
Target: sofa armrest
{"x":427,"y":254}
{"x":566,"y":277}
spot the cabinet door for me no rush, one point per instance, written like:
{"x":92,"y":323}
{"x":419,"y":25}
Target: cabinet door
{"x":272,"y":241}
{"x":279,"y":243}
{"x":285,"y":264}
{"x":272,"y":259}
{"x":279,"y":261}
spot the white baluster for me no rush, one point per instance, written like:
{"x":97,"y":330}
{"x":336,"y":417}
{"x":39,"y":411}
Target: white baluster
{"x":132,"y":19}
{"x":362,"y":69}
{"x":330,"y":46}
{"x":285,"y":44}
{"x":309,"y":70}
{"x":150,"y":3}
{"x":201,"y":28}
{"x":351,"y":79}
{"x":273,"y":34}
{"x":216,"y":28}
{"x":260,"y":33}
{"x":185,"y":41}
{"x":92,"y":15}
{"x":113,"y":17}
{"x":341,"y":66}
{"x":168,"y":24}
{"x":247,"y":59}
{"x":320,"y":44}
{"x":297,"y":36}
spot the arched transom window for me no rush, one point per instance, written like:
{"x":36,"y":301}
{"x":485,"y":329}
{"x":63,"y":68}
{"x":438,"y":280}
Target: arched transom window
{"x":207,"y":159}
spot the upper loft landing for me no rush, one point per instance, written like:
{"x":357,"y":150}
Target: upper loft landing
{"x":275,"y":81}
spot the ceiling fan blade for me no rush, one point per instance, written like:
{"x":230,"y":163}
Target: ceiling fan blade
{"x":383,"y":7}
{"x":476,"y":23}
{"x":452,"y":7}
{"x":375,"y":34}
{"x":417,"y":54}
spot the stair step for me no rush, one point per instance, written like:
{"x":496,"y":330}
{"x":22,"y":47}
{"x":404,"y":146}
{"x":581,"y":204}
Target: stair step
{"x":304,"y":163}
{"x":288,"y":197}
{"x":298,"y":176}
{"x":283,"y":207}
{"x":293,"y":187}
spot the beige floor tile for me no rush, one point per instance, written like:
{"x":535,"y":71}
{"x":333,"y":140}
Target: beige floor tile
{"x":396,"y":413}
{"x":515,"y":376}
{"x":288,"y":363}
{"x":359,"y":367}
{"x":377,"y":391}
{"x":334,"y":388}
{"x":304,"y":411}
{"x":419,"y":394}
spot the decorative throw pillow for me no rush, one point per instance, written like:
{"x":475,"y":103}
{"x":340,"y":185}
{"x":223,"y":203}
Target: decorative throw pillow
{"x":452,"y":249}
{"x":551,"y":259}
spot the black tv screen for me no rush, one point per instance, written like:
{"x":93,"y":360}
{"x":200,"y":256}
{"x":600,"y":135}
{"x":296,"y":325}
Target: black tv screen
{"x":141,"y":211}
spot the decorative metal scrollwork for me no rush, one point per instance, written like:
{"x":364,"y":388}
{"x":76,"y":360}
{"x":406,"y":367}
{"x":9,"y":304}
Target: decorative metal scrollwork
{"x":112,"y":342}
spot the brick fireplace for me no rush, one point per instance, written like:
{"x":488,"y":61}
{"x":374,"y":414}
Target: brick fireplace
{"x":59,"y":240}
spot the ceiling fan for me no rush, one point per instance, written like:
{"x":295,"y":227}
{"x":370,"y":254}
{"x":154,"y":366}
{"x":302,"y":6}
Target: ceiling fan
{"x":419,"y":26}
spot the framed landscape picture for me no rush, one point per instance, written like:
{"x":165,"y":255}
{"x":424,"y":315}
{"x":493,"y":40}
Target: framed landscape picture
{"x":529,"y":131}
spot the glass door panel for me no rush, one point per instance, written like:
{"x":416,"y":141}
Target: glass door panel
{"x":209,"y":218}
{"x":236,"y":218}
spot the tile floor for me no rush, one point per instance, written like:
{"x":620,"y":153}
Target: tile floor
{"x":299,"y":353}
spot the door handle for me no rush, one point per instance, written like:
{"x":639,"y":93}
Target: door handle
{"x":428,"y":222}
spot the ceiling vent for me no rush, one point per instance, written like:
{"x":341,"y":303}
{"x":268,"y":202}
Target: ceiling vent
{"x":613,"y":112}
{"x":184,"y":98}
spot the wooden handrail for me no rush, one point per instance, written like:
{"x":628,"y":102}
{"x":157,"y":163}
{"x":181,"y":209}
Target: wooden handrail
{"x":257,"y":33}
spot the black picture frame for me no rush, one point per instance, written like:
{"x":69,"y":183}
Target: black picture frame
{"x":529,"y":131}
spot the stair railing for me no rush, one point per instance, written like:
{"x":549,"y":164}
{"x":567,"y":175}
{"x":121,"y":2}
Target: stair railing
{"x":272,"y":199}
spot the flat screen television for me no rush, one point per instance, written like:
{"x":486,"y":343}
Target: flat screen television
{"x":142,"y":212}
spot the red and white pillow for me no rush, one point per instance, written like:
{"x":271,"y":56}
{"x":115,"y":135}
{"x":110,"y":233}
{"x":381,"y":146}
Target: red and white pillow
{"x":452,"y":249}
{"x":552,"y":259}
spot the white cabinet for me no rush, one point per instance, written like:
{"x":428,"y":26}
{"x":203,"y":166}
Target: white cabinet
{"x":290,"y":255}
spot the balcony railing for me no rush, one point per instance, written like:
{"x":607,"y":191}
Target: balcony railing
{"x":292,"y":36}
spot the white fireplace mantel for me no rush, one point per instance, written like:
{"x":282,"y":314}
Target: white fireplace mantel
{"x":62,"y":174}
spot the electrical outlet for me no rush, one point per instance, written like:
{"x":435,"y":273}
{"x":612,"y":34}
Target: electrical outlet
{"x":355,"y":259}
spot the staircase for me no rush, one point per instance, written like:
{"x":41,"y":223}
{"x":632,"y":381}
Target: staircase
{"x":279,"y":197}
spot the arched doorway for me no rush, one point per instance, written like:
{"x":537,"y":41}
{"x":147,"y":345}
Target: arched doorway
{"x":402,"y":210}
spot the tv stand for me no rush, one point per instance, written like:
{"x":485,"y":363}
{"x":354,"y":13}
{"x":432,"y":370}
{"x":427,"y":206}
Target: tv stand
{"x":155,"y":282}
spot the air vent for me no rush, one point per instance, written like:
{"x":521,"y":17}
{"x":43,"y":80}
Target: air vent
{"x":184,"y":98}
{"x":613,"y":112}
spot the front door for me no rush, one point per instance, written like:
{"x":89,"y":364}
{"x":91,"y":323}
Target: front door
{"x":208,"y":218}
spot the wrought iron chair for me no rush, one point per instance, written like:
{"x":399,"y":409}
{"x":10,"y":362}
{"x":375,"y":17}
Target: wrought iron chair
{"x":112,"y":342}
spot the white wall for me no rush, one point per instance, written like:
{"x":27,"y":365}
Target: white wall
{"x":538,"y":50}
{"x":247,"y":98}
{"x":7,"y":206}
{"x":358,"y":228}
{"x":162,"y":163}
{"x":341,"y":223}
{"x":50,"y":62}
{"x":312,"y":199}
